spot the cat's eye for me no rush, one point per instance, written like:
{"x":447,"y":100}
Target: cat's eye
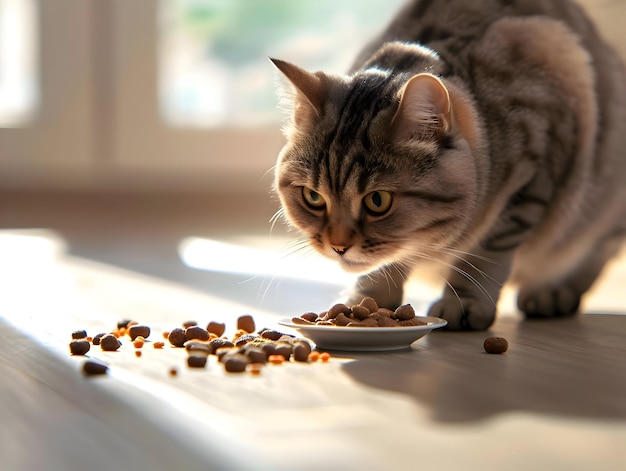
{"x":313,"y":199}
{"x":378,"y":203}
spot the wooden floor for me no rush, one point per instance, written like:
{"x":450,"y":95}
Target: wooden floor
{"x":554,"y":401}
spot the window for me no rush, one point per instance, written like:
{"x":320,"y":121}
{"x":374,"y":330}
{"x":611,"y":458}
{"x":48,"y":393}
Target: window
{"x":19,"y":90}
{"x":213,"y":67}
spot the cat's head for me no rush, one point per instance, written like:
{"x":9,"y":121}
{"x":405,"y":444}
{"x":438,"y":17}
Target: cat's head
{"x":378,"y":167}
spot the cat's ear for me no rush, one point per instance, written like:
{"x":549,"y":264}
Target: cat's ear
{"x":310,"y":90}
{"x":424,"y":111}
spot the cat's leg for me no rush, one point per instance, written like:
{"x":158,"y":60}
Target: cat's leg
{"x":385,"y":285}
{"x":470,"y":298}
{"x":562,"y":297}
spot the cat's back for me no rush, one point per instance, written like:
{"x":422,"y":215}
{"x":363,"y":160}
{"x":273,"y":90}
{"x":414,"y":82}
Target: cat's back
{"x":452,"y":28}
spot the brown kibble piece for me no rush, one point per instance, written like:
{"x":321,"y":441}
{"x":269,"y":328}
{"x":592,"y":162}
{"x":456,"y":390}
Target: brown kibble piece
{"x":256,"y":354}
{"x":360,"y":312}
{"x":271,"y":334}
{"x":244,"y":339}
{"x":384,"y":312}
{"x":137,"y":330}
{"x":338,"y":309}
{"x":173,"y":371}
{"x":369,"y":303}
{"x":309,"y":316}
{"x":496,"y":345}
{"x":301,"y":321}
{"x":284,"y":349}
{"x":79,"y":347}
{"x":246,"y":322}
{"x":301,"y":351}
{"x":109,"y":343}
{"x":235,"y":363}
{"x":97,"y":337}
{"x":220,"y":342}
{"x":196,"y":332}
{"x":404,"y":312}
{"x":217,"y":328}
{"x":342,"y":319}
{"x":79,"y":334}
{"x":196,"y":360}
{"x":188,"y":324}
{"x":197,"y":346}
{"x":93,"y":367}
{"x":177,"y":337}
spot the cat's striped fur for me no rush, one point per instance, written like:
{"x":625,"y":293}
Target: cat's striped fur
{"x":488,"y":137}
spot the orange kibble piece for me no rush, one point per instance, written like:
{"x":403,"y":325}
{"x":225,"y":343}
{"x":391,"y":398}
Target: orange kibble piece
{"x":137,"y":353}
{"x":173,"y":371}
{"x":324,"y":356}
{"x":276,"y":359}
{"x":158,"y":344}
{"x":314,"y":355}
{"x":121,"y":331}
{"x":138,"y":342}
{"x":166,"y":334}
{"x":255,"y":368}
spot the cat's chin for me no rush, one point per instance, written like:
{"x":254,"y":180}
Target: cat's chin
{"x":356,"y":267}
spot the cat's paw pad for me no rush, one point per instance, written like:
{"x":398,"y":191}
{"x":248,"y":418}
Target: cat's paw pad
{"x":548,"y":301}
{"x":464,"y":313}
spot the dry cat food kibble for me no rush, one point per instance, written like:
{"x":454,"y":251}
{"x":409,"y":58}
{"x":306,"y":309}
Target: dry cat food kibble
{"x":245,"y":350}
{"x":137,"y":330}
{"x":246,"y":323}
{"x":79,"y":334}
{"x":496,"y":345}
{"x":365,"y":314}
{"x":79,"y":347}
{"x":93,"y":367}
{"x":109,"y":343}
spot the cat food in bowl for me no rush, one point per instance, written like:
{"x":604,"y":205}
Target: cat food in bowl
{"x":364,"y":327}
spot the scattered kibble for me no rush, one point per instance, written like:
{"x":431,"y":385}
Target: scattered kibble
{"x":246,"y":323}
{"x":79,"y":347}
{"x":138,"y":342}
{"x":94,"y":367}
{"x":196,"y":360}
{"x":496,"y":345}
{"x":158,"y":345}
{"x":137,"y":353}
{"x":79,"y":334}
{"x":177,"y":337}
{"x":109,"y":343}
{"x":138,"y":330}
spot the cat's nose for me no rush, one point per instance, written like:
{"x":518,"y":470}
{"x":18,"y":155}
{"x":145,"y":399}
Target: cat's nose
{"x":340,"y":250}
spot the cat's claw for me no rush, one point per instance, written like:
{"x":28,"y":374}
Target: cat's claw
{"x":464,"y":313}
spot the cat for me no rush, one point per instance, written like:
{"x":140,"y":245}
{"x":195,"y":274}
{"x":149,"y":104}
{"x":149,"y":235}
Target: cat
{"x":486,"y":137}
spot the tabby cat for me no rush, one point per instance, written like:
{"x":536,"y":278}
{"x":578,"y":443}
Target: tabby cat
{"x":486,"y":136}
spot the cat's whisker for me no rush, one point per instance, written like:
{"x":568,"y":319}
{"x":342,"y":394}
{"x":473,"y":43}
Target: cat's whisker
{"x":461,"y":272}
{"x":481,"y":272}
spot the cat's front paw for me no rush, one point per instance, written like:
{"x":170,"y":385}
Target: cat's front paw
{"x":464,"y":313}
{"x":549,"y":301}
